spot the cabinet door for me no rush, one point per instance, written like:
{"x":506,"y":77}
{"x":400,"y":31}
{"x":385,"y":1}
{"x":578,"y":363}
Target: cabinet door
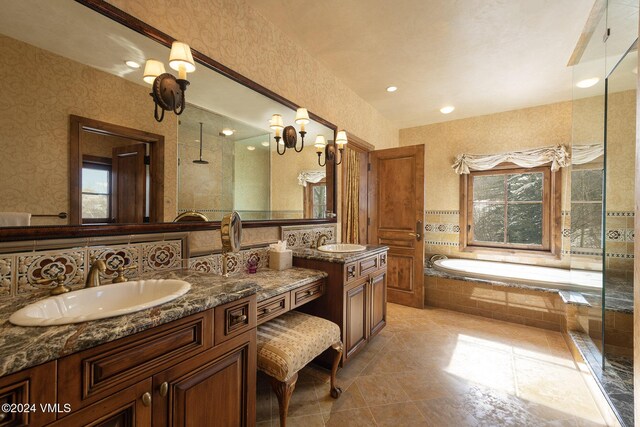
{"x":130,"y":407}
{"x":356,"y":325}
{"x":215,"y":388}
{"x":378,"y":304}
{"x":34,"y":386}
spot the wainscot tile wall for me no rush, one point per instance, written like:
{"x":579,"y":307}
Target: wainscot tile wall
{"x":442,"y":236}
{"x":306,"y":236}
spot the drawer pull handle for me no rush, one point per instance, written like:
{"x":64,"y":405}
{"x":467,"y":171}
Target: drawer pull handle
{"x":309,"y":293}
{"x":238,"y":318}
{"x":146,"y":399}
{"x":3,"y":415}
{"x":268,"y":310}
{"x":164,"y":389}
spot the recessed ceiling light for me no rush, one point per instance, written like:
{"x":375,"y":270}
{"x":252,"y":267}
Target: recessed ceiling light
{"x":227,"y":131}
{"x":251,"y":148}
{"x":392,"y":89}
{"x":196,"y":140}
{"x":265,"y":143}
{"x":583,"y":84}
{"x":448,"y":109}
{"x":132,"y":64}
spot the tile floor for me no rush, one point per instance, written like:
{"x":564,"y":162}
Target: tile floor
{"x":436,"y":367}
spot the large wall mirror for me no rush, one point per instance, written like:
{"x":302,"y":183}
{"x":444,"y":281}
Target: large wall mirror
{"x":81,"y":147}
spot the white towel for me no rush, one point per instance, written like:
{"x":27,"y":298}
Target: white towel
{"x":15,"y":219}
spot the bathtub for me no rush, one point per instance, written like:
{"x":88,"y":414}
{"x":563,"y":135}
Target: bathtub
{"x":533,"y":275}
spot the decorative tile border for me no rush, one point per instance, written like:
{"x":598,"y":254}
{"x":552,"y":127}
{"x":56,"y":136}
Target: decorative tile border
{"x":620,"y":213}
{"x":19,"y":271}
{"x":236,"y":263}
{"x":442,"y":212}
{"x":116,"y":257}
{"x":437,"y":243}
{"x":6,"y":276}
{"x":49,"y":265}
{"x":616,"y":255}
{"x":442,"y":228}
{"x":305,"y":236}
{"x":620,"y":235}
{"x":161,"y":256}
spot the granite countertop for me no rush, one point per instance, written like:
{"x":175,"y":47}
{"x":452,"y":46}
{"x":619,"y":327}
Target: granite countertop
{"x":338,"y":257}
{"x":24,"y":347}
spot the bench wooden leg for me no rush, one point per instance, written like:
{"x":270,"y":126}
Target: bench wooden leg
{"x":284,"y":390}
{"x":335,"y":390}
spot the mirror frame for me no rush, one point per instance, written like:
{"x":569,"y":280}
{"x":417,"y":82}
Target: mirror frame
{"x":74,"y":231}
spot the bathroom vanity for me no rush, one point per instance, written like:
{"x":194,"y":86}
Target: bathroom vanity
{"x":356,"y":295}
{"x":152,"y":367}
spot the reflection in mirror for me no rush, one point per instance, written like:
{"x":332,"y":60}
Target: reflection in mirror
{"x":73,"y":61}
{"x":225,"y":164}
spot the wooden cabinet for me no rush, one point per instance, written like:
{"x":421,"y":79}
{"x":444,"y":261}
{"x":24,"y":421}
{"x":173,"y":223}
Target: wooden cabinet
{"x":355,"y":298}
{"x":30,"y":387}
{"x":280,"y":304}
{"x":199,"y":370}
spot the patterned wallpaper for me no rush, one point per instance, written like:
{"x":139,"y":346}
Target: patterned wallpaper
{"x":34,"y":125}
{"x":233,"y":33}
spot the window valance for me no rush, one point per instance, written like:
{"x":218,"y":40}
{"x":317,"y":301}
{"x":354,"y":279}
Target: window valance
{"x":311,"y":176}
{"x":558,"y":156}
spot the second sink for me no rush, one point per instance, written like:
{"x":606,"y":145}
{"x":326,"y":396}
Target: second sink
{"x":342,"y":247}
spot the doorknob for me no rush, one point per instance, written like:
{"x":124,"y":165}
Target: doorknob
{"x":418,"y":232}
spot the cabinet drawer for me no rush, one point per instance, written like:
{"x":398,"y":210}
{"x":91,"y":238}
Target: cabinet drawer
{"x":307,"y":293}
{"x":95,"y":373}
{"x":34,"y":386}
{"x":273,"y":307}
{"x":368,"y":265}
{"x":350,"y":272}
{"x":234,"y":318}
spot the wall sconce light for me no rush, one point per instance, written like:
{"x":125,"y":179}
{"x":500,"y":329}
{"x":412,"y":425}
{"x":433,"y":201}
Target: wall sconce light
{"x":329,"y":150}
{"x":167,"y":91}
{"x":288,"y":133}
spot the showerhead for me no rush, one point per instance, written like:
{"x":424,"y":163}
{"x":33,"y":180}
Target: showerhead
{"x":200,"y":161}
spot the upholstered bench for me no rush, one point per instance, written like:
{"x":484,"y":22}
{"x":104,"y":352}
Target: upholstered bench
{"x":288,"y":343}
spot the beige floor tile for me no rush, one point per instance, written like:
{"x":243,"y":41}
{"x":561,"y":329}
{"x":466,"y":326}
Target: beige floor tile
{"x":353,"y":418}
{"x":398,"y":414}
{"x":442,"y":368}
{"x":381,"y":389}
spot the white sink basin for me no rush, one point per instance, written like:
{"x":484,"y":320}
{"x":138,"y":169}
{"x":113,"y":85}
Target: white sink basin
{"x":100,"y":302}
{"x":341,"y":247}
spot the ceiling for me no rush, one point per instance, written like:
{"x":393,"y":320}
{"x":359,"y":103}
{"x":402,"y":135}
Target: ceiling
{"x":481,"y":56}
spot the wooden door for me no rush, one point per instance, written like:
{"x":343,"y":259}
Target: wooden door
{"x":129,"y":183}
{"x":378,"y":305}
{"x":396,"y":209}
{"x":127,"y":408}
{"x":205,"y":392}
{"x":356,"y":327}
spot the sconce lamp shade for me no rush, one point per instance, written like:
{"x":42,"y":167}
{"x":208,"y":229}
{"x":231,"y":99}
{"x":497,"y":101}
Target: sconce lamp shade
{"x":320,"y":143}
{"x":276,"y":122}
{"x":152,"y":69}
{"x":302,"y":116}
{"x":180,"y":56}
{"x":341,"y":138}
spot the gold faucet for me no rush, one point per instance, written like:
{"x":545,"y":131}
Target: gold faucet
{"x":93,"y":277}
{"x":322,"y":239}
